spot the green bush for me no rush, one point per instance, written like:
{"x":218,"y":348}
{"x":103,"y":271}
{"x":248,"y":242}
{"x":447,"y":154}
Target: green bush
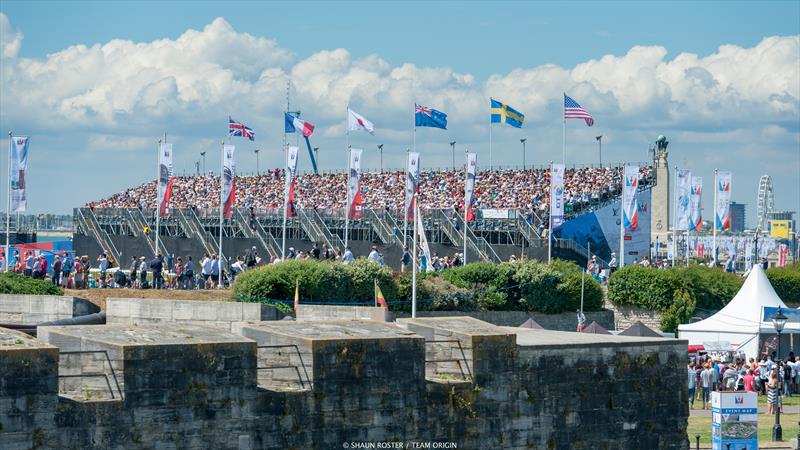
{"x":492,"y":284}
{"x":570,"y":291}
{"x":652,"y":288}
{"x":14,"y":283}
{"x":679,"y":311}
{"x":786,"y":282}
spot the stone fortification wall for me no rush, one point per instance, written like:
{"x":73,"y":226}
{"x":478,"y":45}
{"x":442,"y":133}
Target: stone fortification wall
{"x":321,"y":385}
{"x":560,"y":322}
{"x":33,"y":309}
{"x":625,"y":316}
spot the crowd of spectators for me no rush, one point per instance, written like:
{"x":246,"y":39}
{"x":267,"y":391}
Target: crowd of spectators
{"x":502,"y":189}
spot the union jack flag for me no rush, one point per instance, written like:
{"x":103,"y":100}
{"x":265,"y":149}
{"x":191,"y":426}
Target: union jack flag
{"x":239,"y":129}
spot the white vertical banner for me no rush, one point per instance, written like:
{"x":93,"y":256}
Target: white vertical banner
{"x":630,"y":210}
{"x":425,"y":250}
{"x":683,"y":199}
{"x":696,"y":196}
{"x":469,"y":186}
{"x":556,"y":196}
{"x":19,"y":165}
{"x":291,"y":172}
{"x":228,"y":184}
{"x":412,"y":182}
{"x":165,"y":178}
{"x":723,"y":206}
{"x":354,"y":186}
{"x":748,"y":254}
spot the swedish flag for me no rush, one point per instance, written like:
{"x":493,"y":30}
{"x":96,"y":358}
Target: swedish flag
{"x":502,"y":113}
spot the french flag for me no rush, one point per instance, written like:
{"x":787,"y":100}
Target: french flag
{"x":294,"y":125}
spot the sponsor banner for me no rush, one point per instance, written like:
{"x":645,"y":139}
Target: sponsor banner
{"x":354,"y":186}
{"x":630,"y":213}
{"x":723,"y":207}
{"x":469,"y":185}
{"x":291,"y":172}
{"x":424,"y":248}
{"x":497,"y":214}
{"x":600,"y":228}
{"x":19,"y":165}
{"x":780,"y":229}
{"x":683,"y":198}
{"x":696,"y":196}
{"x":165,"y":178}
{"x":412,"y":182}
{"x":228,"y":180}
{"x":556,"y":196}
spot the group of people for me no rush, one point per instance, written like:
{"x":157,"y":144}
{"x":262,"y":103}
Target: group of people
{"x":766,"y":377}
{"x":507,"y":189}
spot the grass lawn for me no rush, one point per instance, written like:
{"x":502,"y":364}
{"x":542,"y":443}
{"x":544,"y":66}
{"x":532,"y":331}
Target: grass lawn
{"x":789,"y":422}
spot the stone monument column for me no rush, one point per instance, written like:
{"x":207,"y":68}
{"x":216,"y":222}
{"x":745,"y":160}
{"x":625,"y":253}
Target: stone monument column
{"x":659,"y":208}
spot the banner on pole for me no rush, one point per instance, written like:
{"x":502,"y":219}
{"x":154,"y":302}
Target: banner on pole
{"x":412,"y":182}
{"x":425,"y":250}
{"x":165,"y":178}
{"x":683,"y":199}
{"x":291,"y":172}
{"x":469,"y":185}
{"x":228,"y":180}
{"x":696,"y":195}
{"x":354,"y":186}
{"x":19,"y":165}
{"x":630,"y":210}
{"x":723,"y":207}
{"x":556,"y":196}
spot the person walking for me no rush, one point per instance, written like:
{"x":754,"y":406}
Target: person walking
{"x":692,"y":385}
{"x":707,"y":378}
{"x":773,"y":393}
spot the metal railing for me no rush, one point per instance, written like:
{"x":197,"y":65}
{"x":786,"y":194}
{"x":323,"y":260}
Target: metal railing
{"x":95,"y":374}
{"x":289,"y":366}
{"x":91,"y":226}
{"x":253,"y":228}
{"x":465,"y":376}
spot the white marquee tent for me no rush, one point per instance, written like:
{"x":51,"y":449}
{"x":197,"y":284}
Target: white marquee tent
{"x":740,"y":322}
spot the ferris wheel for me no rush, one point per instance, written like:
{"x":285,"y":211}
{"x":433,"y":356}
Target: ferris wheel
{"x":766,"y":202}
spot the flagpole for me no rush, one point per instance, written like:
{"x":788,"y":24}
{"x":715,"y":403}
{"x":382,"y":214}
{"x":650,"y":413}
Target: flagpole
{"x":490,"y":141}
{"x":714,"y":246}
{"x":550,"y":224}
{"x":8,"y":201}
{"x":158,"y":185}
{"x":414,"y":263}
{"x":583,"y":275}
{"x":221,"y":206}
{"x":622,"y":221}
{"x":466,"y":175}
{"x":675,"y":218}
{"x":286,"y":187}
{"x":564,"y":138}
{"x":347,"y":206}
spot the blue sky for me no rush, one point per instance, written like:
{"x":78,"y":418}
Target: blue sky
{"x":721,"y":80}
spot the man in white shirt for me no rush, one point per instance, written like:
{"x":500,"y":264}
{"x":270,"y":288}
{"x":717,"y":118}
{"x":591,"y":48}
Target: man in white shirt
{"x":374,"y":256}
{"x":347,"y":258}
{"x":205,"y":265}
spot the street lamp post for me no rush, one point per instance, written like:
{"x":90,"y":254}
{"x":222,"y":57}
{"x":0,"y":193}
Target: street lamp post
{"x":203,"y":154}
{"x":600,"y":144}
{"x":197,"y":167}
{"x":453,"y":148}
{"x":778,"y":321}
{"x":380,"y":147}
{"x":258,"y":172}
{"x":523,"y":140}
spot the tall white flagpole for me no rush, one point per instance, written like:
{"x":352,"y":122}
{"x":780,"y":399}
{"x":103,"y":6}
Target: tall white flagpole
{"x":414,"y":259}
{"x":622,"y":222}
{"x":466,"y":175}
{"x":564,"y":136}
{"x":714,"y":247}
{"x":675,"y":217}
{"x":221,"y":207}
{"x":158,"y":190}
{"x":550,"y":224}
{"x":347,"y":206}
{"x":490,"y":142}
{"x":8,"y":201}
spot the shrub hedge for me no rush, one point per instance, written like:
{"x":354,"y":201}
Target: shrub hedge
{"x":527,"y":286}
{"x":14,"y":283}
{"x":786,"y":282}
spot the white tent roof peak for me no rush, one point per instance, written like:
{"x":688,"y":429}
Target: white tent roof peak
{"x":743,"y":312}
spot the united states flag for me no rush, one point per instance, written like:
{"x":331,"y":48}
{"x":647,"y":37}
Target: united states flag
{"x":572,"y":110}
{"x":239,"y":129}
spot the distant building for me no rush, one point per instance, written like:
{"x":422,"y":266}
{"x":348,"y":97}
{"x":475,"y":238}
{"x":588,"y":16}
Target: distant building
{"x":737,"y":217}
